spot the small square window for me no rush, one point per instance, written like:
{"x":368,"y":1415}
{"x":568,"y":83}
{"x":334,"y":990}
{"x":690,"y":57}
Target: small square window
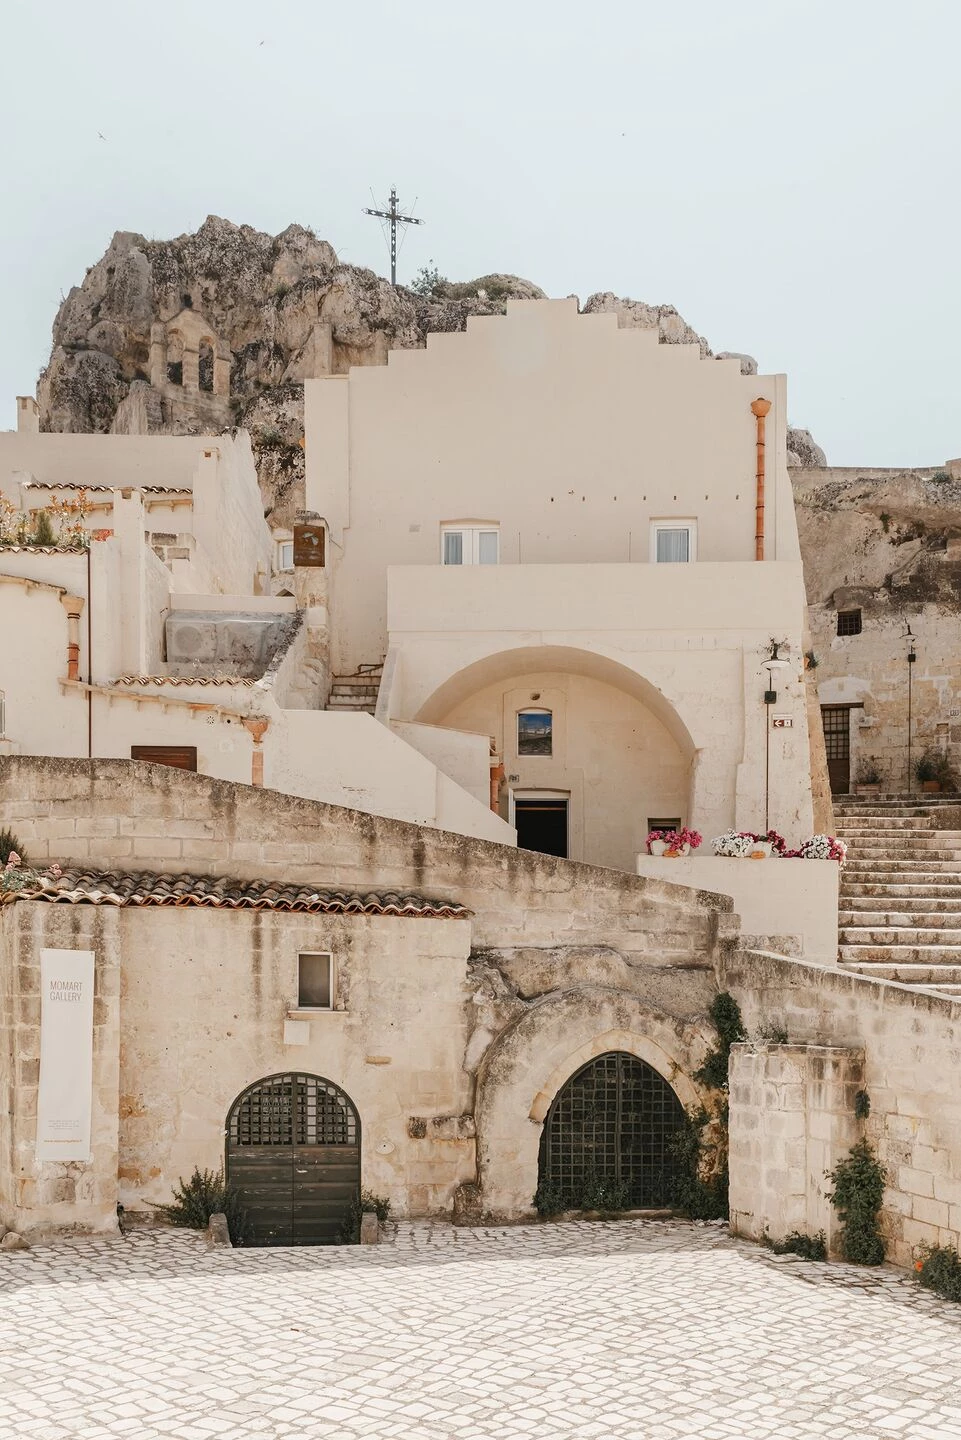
{"x":285,"y":555}
{"x":673,"y":542}
{"x":314,"y":988}
{"x":470,"y":545}
{"x":849,"y":622}
{"x":657,"y":822}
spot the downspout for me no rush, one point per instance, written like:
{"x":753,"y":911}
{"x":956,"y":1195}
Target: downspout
{"x":759,"y":408}
{"x":73,"y":604}
{"x":257,"y":726}
{"x":89,"y":661}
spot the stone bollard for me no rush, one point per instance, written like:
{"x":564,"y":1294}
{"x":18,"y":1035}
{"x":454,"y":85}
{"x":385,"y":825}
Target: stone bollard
{"x":217,"y":1234}
{"x":369,"y":1228}
{"x":13,"y":1241}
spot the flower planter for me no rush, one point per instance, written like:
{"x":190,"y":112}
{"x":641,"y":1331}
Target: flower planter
{"x":760,"y":850}
{"x":657,"y":847}
{"x":678,"y":850}
{"x":932,"y":787}
{"x":867,"y":789}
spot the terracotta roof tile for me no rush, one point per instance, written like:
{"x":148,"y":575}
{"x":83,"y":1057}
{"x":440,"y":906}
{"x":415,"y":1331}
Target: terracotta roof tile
{"x":184,"y":680}
{"x":73,"y":485}
{"x":92,"y":887}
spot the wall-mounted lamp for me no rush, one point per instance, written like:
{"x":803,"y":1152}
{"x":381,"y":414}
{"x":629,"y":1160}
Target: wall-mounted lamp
{"x":771,"y":664}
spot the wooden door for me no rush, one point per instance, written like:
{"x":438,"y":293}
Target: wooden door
{"x":836,"y":720}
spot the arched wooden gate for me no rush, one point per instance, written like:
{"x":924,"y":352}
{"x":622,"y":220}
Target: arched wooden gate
{"x":608,"y":1136}
{"x":293,"y":1155}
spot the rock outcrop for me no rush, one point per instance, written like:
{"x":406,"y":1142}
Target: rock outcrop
{"x":220,"y":328}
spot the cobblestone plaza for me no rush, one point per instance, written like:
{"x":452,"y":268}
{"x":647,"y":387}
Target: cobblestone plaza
{"x":634,"y":1330}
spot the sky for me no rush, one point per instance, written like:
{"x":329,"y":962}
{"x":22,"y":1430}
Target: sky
{"x":786,"y":175}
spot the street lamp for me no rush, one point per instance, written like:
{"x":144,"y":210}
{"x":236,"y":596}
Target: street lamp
{"x":772,"y":664}
{"x":912,"y":658}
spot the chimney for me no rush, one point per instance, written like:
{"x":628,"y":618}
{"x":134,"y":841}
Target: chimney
{"x":28,"y":415}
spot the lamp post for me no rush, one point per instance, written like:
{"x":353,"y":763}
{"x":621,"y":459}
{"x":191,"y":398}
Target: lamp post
{"x":773,"y":663}
{"x":912,"y":657}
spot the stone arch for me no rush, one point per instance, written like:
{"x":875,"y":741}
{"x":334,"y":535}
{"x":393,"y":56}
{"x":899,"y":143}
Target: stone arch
{"x":530,"y":1061}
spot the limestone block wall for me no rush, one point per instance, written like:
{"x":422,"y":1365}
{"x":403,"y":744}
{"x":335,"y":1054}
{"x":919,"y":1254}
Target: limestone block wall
{"x":912,"y":1072}
{"x":37,"y":1196}
{"x":121,"y":814}
{"x":791,"y":1120}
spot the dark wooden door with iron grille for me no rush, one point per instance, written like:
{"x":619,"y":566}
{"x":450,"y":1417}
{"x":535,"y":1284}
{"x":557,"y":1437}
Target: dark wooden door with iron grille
{"x":836,"y":720}
{"x":609,"y":1132}
{"x":293,"y":1154}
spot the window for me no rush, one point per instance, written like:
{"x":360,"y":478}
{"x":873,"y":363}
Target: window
{"x":673,"y":541}
{"x":657,"y":822}
{"x":285,"y":554}
{"x":314,"y":982}
{"x":470,"y":545}
{"x":849,"y":622}
{"x":535,"y":732}
{"x":181,"y":757}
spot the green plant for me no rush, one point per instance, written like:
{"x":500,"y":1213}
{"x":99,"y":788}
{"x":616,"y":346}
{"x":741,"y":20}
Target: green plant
{"x":862,"y":1105}
{"x":810,"y":660}
{"x":869,"y":772}
{"x":207,"y":1193}
{"x":935,"y":765}
{"x":772,"y":1034}
{"x":595,"y":1192}
{"x":43,"y":532}
{"x":726,"y":1019}
{"x":427,"y":279}
{"x":366,"y":1201}
{"x":700,"y":1184}
{"x":857,"y":1195}
{"x":281,"y":289}
{"x":885,"y":519}
{"x":942,"y":475}
{"x":10,"y":845}
{"x":939,"y":1269}
{"x":809,"y":1247}
{"x":549,"y":1200}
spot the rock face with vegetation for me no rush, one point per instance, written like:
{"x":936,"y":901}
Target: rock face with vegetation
{"x":267,"y":299}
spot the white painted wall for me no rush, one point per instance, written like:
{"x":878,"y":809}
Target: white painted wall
{"x":795,"y":900}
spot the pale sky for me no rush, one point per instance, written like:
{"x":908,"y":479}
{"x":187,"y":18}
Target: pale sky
{"x":785,"y":174}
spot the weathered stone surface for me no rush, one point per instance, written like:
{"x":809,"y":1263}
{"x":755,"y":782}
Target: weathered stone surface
{"x":802,"y":451}
{"x":217,"y":1234}
{"x":369,"y":1228}
{"x":13,"y":1241}
{"x":468,"y":1204}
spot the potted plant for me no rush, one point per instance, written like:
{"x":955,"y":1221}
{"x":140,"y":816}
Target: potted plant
{"x":673,"y":843}
{"x":935,"y":771}
{"x":822,"y":847}
{"x":869,"y":777}
{"x":734,"y":844}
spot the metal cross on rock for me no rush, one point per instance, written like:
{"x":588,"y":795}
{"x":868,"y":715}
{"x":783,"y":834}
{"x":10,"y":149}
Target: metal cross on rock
{"x":395,"y":218}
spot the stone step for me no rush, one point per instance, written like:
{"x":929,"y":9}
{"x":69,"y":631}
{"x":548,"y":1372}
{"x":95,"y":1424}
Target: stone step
{"x":943,"y":976}
{"x":906,"y":905}
{"x":902,"y":954}
{"x":903,"y":919}
{"x":892,"y":894}
{"x":351,"y":686}
{"x":900,"y":935}
{"x":932,"y":849}
{"x":884,"y":824}
{"x":932,"y":865}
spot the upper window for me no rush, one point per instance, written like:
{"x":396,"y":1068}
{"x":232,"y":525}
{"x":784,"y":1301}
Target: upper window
{"x":535,"y":732}
{"x":673,"y":541}
{"x":849,"y":622}
{"x":314,"y":988}
{"x":469,"y":545}
{"x":285,"y":554}
{"x":181,"y":757}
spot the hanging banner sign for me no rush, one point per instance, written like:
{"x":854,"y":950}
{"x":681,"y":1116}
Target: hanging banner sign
{"x":65,"y":1099}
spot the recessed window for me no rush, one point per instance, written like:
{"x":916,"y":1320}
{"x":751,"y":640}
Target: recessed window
{"x":658,"y":822}
{"x":285,"y":554}
{"x":535,"y":732}
{"x":673,"y":542}
{"x":314,"y":973}
{"x":181,"y":757}
{"x":849,"y":622}
{"x":470,"y":545}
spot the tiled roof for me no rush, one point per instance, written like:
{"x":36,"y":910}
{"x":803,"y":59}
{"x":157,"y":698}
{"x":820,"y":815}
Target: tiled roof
{"x":91,"y":887}
{"x":43,"y":550}
{"x":73,"y":485}
{"x":183,"y":680}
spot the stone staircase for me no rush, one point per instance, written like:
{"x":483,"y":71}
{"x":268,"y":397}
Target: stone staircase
{"x":900,"y":899}
{"x":356,"y":693}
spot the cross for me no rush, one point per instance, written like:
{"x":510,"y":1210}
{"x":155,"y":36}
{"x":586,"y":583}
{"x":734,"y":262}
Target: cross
{"x":396,"y":218}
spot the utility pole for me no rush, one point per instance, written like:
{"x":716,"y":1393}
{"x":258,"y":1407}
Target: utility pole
{"x":395,"y":218}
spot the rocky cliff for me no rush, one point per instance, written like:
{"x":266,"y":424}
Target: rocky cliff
{"x":222,"y":327}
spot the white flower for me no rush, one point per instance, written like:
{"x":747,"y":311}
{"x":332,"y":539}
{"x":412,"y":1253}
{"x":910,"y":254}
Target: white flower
{"x":731,"y":844}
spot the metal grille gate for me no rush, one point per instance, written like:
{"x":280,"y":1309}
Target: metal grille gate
{"x":293,"y":1154}
{"x":612,"y":1124}
{"x":836,"y":720}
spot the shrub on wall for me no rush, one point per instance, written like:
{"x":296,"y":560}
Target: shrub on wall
{"x":207,"y":1193}
{"x":939,"y":1269}
{"x":857,"y":1195}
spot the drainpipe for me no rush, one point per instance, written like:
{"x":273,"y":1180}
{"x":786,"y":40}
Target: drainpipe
{"x":258,"y":729}
{"x":759,"y":408}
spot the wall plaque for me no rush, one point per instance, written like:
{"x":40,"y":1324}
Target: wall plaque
{"x":310,"y":545}
{"x":65,"y":1100}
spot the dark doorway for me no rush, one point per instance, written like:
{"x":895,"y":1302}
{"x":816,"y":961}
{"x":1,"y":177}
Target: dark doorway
{"x":293,"y":1154}
{"x":836,"y":720}
{"x":542,"y":826}
{"x":608,"y":1137}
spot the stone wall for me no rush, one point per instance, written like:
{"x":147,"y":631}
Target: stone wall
{"x":911,"y":1043}
{"x":791,"y":1120}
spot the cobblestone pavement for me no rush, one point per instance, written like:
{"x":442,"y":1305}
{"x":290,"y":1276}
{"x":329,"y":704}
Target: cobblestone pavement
{"x":638,"y":1330}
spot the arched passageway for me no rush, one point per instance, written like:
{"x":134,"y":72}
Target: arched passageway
{"x":293,"y":1155}
{"x":608,"y":1137}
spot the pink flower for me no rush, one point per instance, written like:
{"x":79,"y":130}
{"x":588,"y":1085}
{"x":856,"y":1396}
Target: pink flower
{"x":13,"y":860}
